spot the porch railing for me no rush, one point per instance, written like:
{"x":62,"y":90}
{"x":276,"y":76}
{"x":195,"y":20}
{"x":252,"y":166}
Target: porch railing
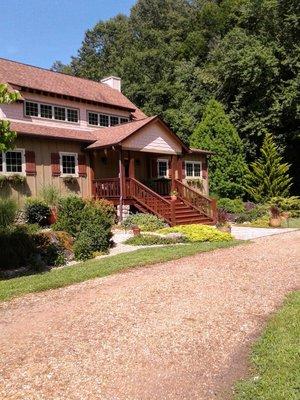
{"x":198,"y":201}
{"x":149,"y":199}
{"x":106,"y":188}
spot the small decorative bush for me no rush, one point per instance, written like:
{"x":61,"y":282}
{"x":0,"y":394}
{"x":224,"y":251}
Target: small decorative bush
{"x":231,"y":206}
{"x":69,"y":214}
{"x":146,"y":222}
{"x":50,"y":195}
{"x":49,"y":249}
{"x":8,"y":210}
{"x":17,"y":248}
{"x":106,"y":208}
{"x":199,"y":233}
{"x":36,"y":212}
{"x":290,"y":204}
{"x":83,"y":246}
{"x":253,"y":214}
{"x":151,"y":240}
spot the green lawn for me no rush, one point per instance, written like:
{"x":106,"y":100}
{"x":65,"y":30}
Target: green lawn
{"x":276,"y":358}
{"x":97,"y":268}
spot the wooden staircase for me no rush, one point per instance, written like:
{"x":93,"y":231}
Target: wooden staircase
{"x":185,"y":214}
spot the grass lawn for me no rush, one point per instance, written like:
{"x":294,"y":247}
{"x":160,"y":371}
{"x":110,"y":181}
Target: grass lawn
{"x":276,"y":358}
{"x":98,"y":268}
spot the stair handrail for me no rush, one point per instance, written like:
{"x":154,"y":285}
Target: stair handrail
{"x":160,"y":207}
{"x":197,"y":200}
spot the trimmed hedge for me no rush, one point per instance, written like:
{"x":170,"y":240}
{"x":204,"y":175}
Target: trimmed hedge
{"x":199,"y":233}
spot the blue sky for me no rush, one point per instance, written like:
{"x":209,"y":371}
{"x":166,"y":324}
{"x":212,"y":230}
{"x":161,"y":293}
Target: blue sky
{"x":38,"y":32}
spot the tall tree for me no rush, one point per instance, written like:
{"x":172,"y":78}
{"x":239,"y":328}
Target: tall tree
{"x":7,"y":136}
{"x":227,"y":165}
{"x":268,"y":176}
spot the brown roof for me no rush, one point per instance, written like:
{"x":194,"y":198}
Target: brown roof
{"x":27,"y":76}
{"x":52,"y":132}
{"x":201,"y":151}
{"x":116,"y":134}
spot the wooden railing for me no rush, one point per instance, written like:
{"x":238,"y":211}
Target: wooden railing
{"x":198,"y":201}
{"x":106,"y":188}
{"x":149,"y":199}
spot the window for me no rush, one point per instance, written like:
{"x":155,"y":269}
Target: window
{"x":162,"y":168}
{"x":51,"y":112}
{"x":46,"y":111}
{"x":123,"y":120}
{"x":69,"y":163}
{"x":105,"y":119}
{"x":193,"y":169}
{"x":31,"y":109}
{"x":12,"y":162}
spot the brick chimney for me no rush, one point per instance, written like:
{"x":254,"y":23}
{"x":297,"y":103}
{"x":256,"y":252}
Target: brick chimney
{"x":113,"y":81}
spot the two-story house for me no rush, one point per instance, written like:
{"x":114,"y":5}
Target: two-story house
{"x":86,"y":137}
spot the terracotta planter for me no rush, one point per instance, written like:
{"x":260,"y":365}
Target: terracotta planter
{"x":173,"y":197}
{"x":275,"y":222}
{"x":225,"y":228}
{"x":53,"y":216}
{"x":136,"y":231}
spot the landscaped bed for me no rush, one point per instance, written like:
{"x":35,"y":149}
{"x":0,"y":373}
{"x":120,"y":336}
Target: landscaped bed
{"x":275,"y":358}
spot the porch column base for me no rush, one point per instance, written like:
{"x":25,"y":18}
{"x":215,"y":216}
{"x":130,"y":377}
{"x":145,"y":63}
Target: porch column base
{"x":125,"y":212}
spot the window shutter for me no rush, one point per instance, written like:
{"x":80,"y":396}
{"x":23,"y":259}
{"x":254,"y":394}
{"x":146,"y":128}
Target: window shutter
{"x":154,"y":168}
{"x":30,"y":163}
{"x":183,"y":169}
{"x":55,"y":164}
{"x":82,"y":165}
{"x":204,"y":170}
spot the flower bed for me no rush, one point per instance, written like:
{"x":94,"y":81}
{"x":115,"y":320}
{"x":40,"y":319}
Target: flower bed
{"x":198,"y":233}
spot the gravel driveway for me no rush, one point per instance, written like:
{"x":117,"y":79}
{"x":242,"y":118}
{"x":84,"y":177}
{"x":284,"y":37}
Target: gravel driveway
{"x":177,"y":330}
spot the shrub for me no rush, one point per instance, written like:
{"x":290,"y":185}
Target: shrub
{"x":150,"y":240}
{"x":8,"y":210}
{"x":36,"y":212}
{"x":69,"y":214}
{"x":199,"y":233}
{"x":83,"y":246}
{"x":49,"y":249}
{"x":17,"y":248}
{"x":106,"y":207}
{"x":231,"y":206}
{"x":146,"y":222}
{"x":290,"y":204}
{"x":50,"y":195}
{"x":253,"y":214}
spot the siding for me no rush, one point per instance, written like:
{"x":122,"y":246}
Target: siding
{"x":153,"y":139}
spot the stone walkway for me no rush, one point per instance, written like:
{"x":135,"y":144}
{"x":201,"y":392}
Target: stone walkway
{"x":179,"y":330}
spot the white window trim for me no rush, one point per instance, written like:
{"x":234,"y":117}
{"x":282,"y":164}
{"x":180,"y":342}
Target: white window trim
{"x":4,"y":172}
{"x":52,"y":105}
{"x":167,"y":170}
{"x":65,"y":153}
{"x":107,"y":115}
{"x":193,"y":176}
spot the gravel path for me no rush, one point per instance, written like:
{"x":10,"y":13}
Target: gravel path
{"x":177,"y":330}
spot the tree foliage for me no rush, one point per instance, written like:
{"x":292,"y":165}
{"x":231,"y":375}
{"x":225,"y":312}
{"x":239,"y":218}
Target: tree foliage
{"x":227,"y":166}
{"x":7,"y":137}
{"x":268,"y":176}
{"x":175,"y":55}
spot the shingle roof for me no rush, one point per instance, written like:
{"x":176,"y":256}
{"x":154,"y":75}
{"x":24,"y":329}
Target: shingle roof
{"x":53,"y":132}
{"x":116,"y":134}
{"x":24,"y":75}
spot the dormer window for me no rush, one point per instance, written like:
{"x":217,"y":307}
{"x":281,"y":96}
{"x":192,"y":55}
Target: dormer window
{"x":98,"y":119}
{"x":49,"y":111}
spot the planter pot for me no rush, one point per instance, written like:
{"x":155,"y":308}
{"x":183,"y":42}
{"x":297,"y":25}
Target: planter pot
{"x":136,"y":231}
{"x":225,"y":228}
{"x":53,"y":216}
{"x":275,"y":222}
{"x":173,"y":197}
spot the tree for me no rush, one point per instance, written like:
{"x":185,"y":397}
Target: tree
{"x":268,"y":176}
{"x":7,"y":137}
{"x":227,"y":166}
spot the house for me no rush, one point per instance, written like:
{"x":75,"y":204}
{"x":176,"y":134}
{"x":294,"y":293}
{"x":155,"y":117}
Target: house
{"x":86,"y":137}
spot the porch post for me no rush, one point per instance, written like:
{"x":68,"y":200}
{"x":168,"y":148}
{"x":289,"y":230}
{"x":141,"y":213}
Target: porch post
{"x":179,"y":168}
{"x":122,"y":181}
{"x":173,"y":172}
{"x":131,"y":165}
{"x":92,"y":173}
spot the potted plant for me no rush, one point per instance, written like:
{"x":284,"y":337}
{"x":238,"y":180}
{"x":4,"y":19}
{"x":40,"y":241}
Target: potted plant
{"x":16,"y":179}
{"x":223,"y":224}
{"x":275,"y":217}
{"x":174,"y":195}
{"x":136,"y":230}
